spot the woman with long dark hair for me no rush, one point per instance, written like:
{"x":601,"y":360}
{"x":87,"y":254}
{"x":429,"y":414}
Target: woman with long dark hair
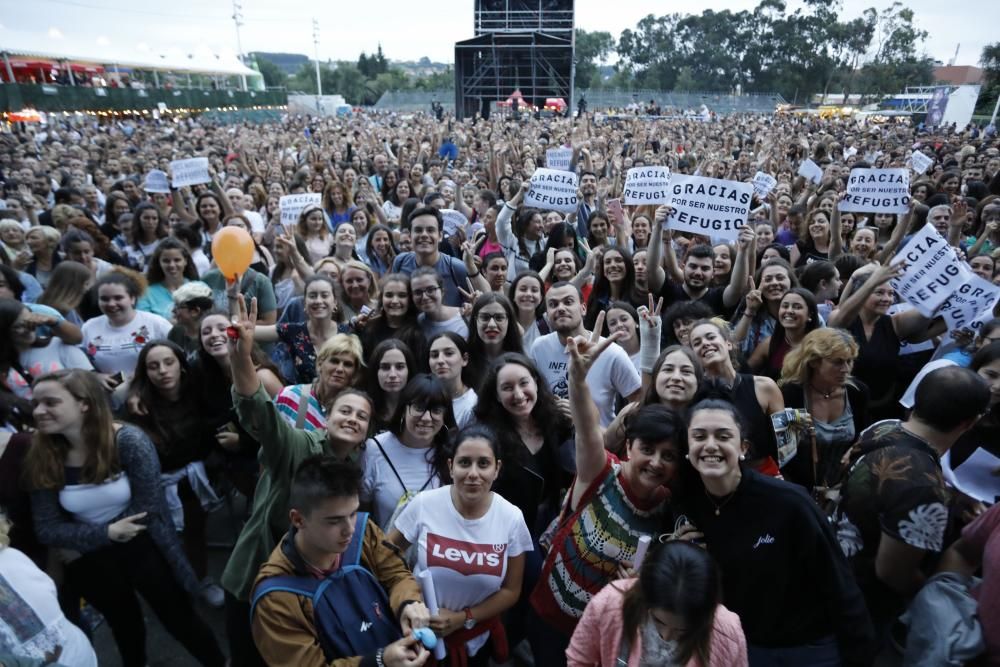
{"x":797,"y":316}
{"x":412,"y":455}
{"x":672,"y":614}
{"x":526,"y":293}
{"x":96,"y":490}
{"x":166,"y":404}
{"x":169,"y":267}
{"x":493,"y":330}
{"x":448,"y":361}
{"x":389,"y":368}
{"x":395,"y":317}
{"x":150,"y":227}
{"x":614,"y":281}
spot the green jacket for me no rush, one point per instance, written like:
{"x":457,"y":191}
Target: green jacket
{"x":282,"y":448}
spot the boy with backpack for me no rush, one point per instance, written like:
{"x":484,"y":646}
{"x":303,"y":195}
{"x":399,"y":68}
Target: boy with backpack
{"x":333,"y":588}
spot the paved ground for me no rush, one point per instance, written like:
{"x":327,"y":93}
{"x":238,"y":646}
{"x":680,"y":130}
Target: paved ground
{"x":161,"y":649}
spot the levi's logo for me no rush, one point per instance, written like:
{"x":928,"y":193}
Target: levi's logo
{"x":465,"y":557}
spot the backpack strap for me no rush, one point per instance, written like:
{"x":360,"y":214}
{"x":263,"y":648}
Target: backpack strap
{"x":304,"y":586}
{"x":395,"y":472}
{"x":352,"y":556}
{"x":303,"y":409}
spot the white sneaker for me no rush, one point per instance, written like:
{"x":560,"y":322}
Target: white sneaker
{"x":211,"y":593}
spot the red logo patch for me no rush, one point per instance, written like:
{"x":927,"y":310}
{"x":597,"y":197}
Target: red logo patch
{"x":465,"y":557}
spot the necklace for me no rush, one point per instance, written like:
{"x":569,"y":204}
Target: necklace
{"x":825,"y":394}
{"x":718,"y":506}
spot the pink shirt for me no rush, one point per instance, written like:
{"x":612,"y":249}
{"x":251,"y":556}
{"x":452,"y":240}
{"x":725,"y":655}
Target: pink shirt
{"x":598,"y":635}
{"x":983,"y":537}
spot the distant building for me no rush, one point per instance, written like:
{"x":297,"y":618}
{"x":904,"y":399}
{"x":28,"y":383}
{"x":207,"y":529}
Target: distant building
{"x":958,"y":75}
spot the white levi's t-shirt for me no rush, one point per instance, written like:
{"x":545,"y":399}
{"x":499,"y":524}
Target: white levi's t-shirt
{"x":467,"y":558}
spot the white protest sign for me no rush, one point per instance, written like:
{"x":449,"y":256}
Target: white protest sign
{"x":647,"y":185}
{"x":970,"y":299}
{"x":291,"y":206}
{"x":708,"y":206}
{"x":553,"y":190}
{"x":811,"y":171}
{"x":558,"y":158}
{"x":189,"y":172}
{"x":763,"y":184}
{"x":933,"y":271}
{"x":453,"y":221}
{"x":920,"y":162}
{"x":877,"y":191}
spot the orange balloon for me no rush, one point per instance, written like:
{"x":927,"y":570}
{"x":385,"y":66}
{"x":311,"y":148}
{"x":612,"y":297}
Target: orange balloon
{"x":232,"y":250}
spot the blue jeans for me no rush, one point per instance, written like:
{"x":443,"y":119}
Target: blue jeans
{"x":820,"y":653}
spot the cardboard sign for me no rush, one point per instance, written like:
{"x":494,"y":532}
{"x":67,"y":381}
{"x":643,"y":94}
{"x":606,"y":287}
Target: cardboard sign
{"x":647,"y":185}
{"x":906,"y":347}
{"x":763,"y":184}
{"x":877,"y":191}
{"x":920,"y":162}
{"x":708,"y":206}
{"x":971,"y":298}
{"x":558,"y":158}
{"x":552,"y":190}
{"x":291,"y":206}
{"x":453,"y":221}
{"x":811,"y":171}
{"x":933,"y":271}
{"x":189,"y":172}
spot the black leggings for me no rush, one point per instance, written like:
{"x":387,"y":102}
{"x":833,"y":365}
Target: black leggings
{"x":110,"y":577}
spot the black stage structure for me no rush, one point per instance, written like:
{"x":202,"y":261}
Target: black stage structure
{"x":524,"y":45}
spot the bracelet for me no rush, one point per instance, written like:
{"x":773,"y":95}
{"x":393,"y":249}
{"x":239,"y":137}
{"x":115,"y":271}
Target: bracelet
{"x":378,"y":657}
{"x":747,"y":313}
{"x":474,"y":275}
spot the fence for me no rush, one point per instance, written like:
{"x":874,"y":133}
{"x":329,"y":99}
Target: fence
{"x":44,"y":97}
{"x":603,"y":99}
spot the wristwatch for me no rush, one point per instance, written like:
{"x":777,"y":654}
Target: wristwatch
{"x":469,"y":621}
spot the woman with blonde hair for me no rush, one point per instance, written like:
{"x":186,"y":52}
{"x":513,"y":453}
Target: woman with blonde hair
{"x":95,"y":489}
{"x":816,"y":377}
{"x":339,"y":365}
{"x":42,"y":241}
{"x":359,"y":286}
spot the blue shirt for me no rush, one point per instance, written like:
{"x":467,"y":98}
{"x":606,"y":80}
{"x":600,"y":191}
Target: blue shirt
{"x":452,"y":271}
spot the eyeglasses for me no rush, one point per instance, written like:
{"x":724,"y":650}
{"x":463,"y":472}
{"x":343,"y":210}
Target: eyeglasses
{"x":427,"y":291}
{"x":499,"y":318}
{"x":417,"y":410}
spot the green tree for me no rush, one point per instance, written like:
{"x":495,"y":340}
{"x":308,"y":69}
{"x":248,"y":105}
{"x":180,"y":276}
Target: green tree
{"x":592,"y":50}
{"x":274,"y":77}
{"x":895,"y":62}
{"x":990,"y":62}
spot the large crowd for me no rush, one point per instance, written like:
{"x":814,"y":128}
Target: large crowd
{"x":554,"y":438}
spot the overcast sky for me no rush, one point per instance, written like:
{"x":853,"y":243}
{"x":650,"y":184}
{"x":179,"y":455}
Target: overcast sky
{"x":405,"y":31}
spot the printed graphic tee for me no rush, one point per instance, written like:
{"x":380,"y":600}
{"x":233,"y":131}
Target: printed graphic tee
{"x":467,"y":558}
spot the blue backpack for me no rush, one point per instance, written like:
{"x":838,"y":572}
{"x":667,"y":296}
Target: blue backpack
{"x":350,"y":608}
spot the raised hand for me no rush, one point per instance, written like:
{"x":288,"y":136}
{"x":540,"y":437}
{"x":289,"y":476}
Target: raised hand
{"x":584,"y":350}
{"x":243,"y":327}
{"x":754,"y":299}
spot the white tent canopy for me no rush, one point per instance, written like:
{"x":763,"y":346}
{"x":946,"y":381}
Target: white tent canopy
{"x":100,"y":50}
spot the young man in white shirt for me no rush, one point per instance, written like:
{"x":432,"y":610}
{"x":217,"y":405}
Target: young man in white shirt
{"x":613,"y":373}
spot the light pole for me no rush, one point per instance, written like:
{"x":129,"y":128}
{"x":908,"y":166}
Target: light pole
{"x":238,"y":20}
{"x":319,"y":82}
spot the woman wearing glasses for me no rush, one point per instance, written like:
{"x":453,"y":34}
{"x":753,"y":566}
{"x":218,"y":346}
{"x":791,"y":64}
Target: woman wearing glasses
{"x":493,"y":330}
{"x":403,"y":461}
{"x":426,"y":288}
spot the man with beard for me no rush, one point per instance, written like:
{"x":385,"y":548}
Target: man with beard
{"x":588,"y":203}
{"x":698,"y":269}
{"x":613,"y":373}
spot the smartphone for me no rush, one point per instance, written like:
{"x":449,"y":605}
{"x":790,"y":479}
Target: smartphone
{"x":116,"y":379}
{"x":615,"y":209}
{"x":365,"y":310}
